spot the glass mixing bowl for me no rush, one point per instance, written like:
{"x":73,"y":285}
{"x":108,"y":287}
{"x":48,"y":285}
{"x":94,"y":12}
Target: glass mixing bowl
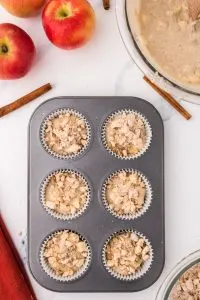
{"x":132,"y":43}
{"x":176,"y":273}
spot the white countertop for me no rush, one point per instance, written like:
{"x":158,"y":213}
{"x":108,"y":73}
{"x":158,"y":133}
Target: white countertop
{"x":102,"y":67}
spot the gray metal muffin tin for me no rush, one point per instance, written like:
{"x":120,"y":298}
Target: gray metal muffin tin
{"x":96,"y":224}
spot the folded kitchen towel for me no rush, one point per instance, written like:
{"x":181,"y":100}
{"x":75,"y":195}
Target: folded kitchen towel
{"x":14,"y":282}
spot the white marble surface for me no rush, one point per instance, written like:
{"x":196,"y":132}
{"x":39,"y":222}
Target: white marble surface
{"x":103,"y":67}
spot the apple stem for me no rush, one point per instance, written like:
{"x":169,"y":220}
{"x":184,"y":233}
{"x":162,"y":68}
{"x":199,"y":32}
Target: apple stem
{"x":63,"y":14}
{"x":4,"y":49}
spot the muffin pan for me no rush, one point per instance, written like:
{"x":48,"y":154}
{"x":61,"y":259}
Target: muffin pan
{"x":96,"y":224}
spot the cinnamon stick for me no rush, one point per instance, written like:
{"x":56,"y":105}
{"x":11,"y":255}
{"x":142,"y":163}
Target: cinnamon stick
{"x":106,"y":4}
{"x":25,"y":100}
{"x":169,"y":99}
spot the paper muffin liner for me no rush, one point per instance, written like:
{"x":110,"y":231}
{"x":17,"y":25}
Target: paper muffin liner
{"x":148,"y":195}
{"x":147,"y":128}
{"x":54,"y":115}
{"x":58,"y":215}
{"x":49,"y":271}
{"x":145,"y":267}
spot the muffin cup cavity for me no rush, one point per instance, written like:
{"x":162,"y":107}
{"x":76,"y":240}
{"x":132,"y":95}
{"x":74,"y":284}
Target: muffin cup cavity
{"x":147,"y":201}
{"x":148,"y":131}
{"x":56,"y":114}
{"x":51,"y":273}
{"x":52,"y":211}
{"x":146,"y":264}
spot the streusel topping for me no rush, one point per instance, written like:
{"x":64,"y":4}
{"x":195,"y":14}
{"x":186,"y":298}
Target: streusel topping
{"x":125,"y":134}
{"x":188,"y":285}
{"x":66,"y":193}
{"x":125,"y":193}
{"x":126,"y":253}
{"x":66,"y":253}
{"x":66,"y":134}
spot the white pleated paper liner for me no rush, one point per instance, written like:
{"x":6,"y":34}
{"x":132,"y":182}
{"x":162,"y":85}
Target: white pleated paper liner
{"x":148,"y":196}
{"x":145,"y":267}
{"x":58,"y":215}
{"x":51,"y":273}
{"x":54,"y":115}
{"x":148,"y":130}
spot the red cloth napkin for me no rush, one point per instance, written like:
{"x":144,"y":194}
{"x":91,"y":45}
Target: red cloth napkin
{"x":14,"y":281}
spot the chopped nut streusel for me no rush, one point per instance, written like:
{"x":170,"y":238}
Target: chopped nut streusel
{"x":66,"y":134}
{"x":125,"y":193}
{"x":125,"y":134}
{"x":66,"y":253}
{"x":126,"y":253}
{"x":188,"y":286}
{"x":66,"y":193}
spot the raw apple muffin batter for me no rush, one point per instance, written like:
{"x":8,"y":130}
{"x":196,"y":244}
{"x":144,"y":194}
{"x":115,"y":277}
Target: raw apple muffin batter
{"x":171,"y":38}
{"x":66,"y":134}
{"x":125,"y":134}
{"x":125,"y":193}
{"x":65,"y":253}
{"x":66,"y":193}
{"x":126,"y":253}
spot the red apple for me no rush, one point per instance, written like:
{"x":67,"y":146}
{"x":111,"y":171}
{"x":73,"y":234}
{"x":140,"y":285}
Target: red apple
{"x":17,"y":51}
{"x":22,"y":8}
{"x":68,"y":24}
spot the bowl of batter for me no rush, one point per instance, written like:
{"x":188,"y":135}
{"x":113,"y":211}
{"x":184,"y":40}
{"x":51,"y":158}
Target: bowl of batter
{"x":164,"y":41}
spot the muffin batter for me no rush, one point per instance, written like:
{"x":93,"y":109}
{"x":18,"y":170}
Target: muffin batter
{"x":65,"y":253}
{"x":66,"y":134}
{"x":125,"y":134}
{"x":126,"y":253}
{"x":125,"y":193}
{"x":171,"y":38}
{"x":66,"y":193}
